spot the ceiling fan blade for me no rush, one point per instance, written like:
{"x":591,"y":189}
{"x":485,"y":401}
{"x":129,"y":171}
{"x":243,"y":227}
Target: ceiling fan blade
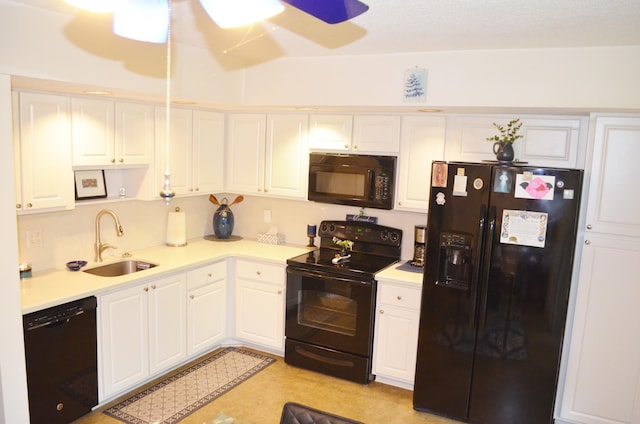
{"x":330,"y":11}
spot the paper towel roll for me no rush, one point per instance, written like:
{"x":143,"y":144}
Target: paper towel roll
{"x":176,"y":229}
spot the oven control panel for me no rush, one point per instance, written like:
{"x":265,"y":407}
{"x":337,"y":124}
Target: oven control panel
{"x":362,"y":232}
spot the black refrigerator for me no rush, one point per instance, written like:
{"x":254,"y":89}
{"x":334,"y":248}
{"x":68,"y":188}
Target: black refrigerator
{"x":499,"y":256}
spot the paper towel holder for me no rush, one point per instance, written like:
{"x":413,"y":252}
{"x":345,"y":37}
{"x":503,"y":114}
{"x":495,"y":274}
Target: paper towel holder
{"x":173,"y":238}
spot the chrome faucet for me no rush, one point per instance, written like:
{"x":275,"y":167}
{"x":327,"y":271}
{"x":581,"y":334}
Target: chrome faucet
{"x":99,"y":246}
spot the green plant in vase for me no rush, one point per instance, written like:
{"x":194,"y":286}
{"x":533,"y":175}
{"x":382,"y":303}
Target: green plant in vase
{"x":503,"y":142}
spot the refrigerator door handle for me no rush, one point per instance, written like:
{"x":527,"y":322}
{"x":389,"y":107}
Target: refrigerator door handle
{"x":486,"y":269}
{"x":478,"y":265}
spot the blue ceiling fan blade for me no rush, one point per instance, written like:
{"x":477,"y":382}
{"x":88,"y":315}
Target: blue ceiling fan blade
{"x":330,"y":11}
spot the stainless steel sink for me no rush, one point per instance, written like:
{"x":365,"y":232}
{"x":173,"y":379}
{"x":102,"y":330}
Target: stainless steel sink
{"x":117,"y":269}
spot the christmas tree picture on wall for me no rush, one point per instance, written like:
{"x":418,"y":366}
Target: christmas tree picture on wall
{"x":415,"y":87}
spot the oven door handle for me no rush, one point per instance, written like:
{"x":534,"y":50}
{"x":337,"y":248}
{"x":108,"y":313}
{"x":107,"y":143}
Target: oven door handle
{"x":324,"y":276}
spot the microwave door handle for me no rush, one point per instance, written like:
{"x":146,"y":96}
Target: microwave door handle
{"x":372,"y":184}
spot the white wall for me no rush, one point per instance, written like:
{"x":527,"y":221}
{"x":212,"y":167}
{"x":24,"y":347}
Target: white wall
{"x":585,"y":78}
{"x":13,"y":383}
{"x":49,"y":45}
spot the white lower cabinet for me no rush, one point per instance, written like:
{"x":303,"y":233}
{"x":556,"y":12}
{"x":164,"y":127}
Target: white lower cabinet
{"x":142,"y":332}
{"x":260,"y":304}
{"x":396,"y":333}
{"x":602,"y":384}
{"x":206,"y":307}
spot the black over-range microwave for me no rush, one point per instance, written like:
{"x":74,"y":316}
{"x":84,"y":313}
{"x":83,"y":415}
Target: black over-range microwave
{"x":357,"y":180}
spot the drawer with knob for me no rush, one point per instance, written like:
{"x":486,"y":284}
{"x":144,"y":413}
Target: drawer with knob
{"x":401,"y":296}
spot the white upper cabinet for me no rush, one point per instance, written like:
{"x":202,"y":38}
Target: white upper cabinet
{"x":196,"y":151}
{"x":552,"y":141}
{"x":108,"y":134}
{"x":43,"y":153}
{"x":376,"y":134}
{"x":373,"y":134}
{"x":422,"y":141}
{"x":330,"y":132}
{"x":613,"y":203}
{"x":287,"y":156}
{"x":267,"y":155}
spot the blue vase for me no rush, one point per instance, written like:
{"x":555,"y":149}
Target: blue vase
{"x":223,"y":222}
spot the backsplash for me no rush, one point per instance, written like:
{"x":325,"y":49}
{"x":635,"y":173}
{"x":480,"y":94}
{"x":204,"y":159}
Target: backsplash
{"x":70,"y":235}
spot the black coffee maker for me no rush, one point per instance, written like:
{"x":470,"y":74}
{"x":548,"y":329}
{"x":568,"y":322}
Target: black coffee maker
{"x":419,"y":246}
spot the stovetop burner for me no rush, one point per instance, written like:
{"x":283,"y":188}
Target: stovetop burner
{"x":375,"y":247}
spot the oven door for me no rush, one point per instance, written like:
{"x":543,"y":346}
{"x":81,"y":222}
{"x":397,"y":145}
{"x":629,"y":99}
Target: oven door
{"x":330,"y":311}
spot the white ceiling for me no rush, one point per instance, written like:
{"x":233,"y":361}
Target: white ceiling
{"x":397,"y":26}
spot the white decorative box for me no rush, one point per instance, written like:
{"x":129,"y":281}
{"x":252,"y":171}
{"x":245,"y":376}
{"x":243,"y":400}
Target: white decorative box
{"x":271,"y":238}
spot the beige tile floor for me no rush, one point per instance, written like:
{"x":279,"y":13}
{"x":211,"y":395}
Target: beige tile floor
{"x":259,"y":400}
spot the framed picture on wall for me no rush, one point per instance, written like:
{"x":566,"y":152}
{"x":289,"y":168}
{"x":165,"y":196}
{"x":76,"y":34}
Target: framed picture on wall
{"x":90,"y":184}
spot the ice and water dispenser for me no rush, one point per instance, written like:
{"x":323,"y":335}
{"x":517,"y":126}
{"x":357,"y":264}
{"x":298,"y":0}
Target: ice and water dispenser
{"x":454,"y":260}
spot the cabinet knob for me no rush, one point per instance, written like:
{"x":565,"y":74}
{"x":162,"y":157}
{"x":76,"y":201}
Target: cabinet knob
{"x":259,"y":190}
{"x":587,"y":242}
{"x":121,"y":160}
{"x":381,"y":311}
{"x":29,"y":205}
{"x":258,"y":273}
{"x":399,"y":203}
{"x":18,"y":206}
{"x":60,"y":406}
{"x":589,"y":227}
{"x":399,"y":297}
{"x":146,"y":289}
{"x":113,"y":160}
{"x":346,"y":146}
{"x":153,"y":286}
{"x":279,"y":291}
{"x":209,"y":275}
{"x":191,"y":297}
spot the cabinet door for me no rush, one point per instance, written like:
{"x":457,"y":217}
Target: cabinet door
{"x":206,"y":307}
{"x":421,"y":143}
{"x":396,"y":343}
{"x":330,"y":132}
{"x":206,"y":317}
{"x":547,"y":141}
{"x":614,"y":206}
{"x":260,"y":313}
{"x":45,"y":152}
{"x":179,"y":149}
{"x":93,"y":132}
{"x":134,"y":133}
{"x":208,"y":152}
{"x":167,"y":322}
{"x":603,"y":373}
{"x":376,"y":134}
{"x":123,"y":343}
{"x":287,"y":156}
{"x":245,"y":153}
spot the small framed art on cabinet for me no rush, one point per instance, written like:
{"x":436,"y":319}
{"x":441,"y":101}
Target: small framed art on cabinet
{"x":90,"y":184}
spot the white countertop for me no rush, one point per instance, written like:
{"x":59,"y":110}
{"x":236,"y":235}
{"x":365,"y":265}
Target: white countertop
{"x":394,"y":274}
{"x":57,"y":286}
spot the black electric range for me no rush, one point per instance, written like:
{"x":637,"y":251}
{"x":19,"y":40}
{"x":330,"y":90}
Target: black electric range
{"x":375,"y":247}
{"x":331,"y":299}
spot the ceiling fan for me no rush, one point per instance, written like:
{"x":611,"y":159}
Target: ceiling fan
{"x":147,"y":20}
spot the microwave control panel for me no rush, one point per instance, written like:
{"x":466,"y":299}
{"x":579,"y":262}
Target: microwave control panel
{"x":382,"y":187}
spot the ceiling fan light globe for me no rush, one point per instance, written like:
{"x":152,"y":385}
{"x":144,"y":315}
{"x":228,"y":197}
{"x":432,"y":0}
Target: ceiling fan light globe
{"x":142,"y":20}
{"x":237,"y":13}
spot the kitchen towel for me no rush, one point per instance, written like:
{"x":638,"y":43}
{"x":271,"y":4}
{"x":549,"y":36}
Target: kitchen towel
{"x":176,"y":229}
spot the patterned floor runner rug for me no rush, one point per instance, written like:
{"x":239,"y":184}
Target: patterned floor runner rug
{"x":180,"y":395}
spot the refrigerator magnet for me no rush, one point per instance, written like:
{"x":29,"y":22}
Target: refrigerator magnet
{"x":502,"y":181}
{"x":440,"y":199}
{"x":535,"y":186}
{"x":459,"y":185}
{"x":478,"y":183}
{"x":439,"y":174}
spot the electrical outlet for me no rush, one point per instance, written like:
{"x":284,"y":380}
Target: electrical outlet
{"x":34,"y":238}
{"x":267,"y":216}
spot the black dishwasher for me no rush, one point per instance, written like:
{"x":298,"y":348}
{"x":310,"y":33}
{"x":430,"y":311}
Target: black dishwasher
{"x":61,"y":356}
